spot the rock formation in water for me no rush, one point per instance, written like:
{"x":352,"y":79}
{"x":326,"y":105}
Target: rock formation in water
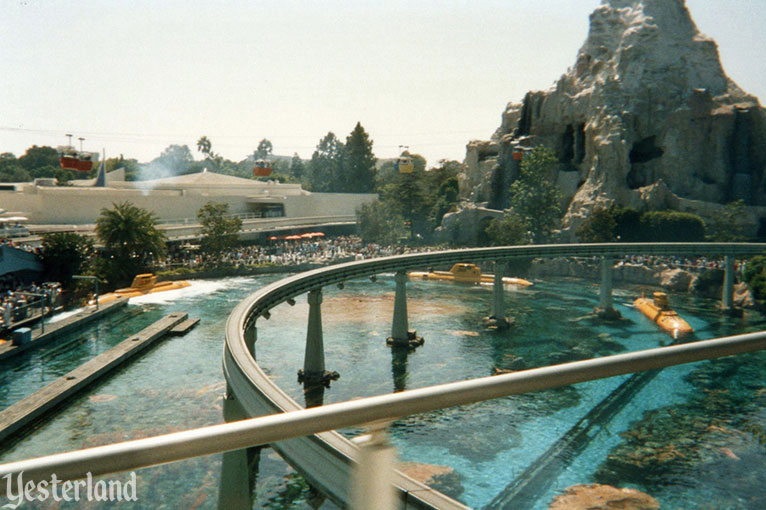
{"x":645,"y":118}
{"x":603,"y":497}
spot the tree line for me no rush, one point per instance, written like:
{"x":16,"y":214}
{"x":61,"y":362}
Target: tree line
{"x":335,"y":166}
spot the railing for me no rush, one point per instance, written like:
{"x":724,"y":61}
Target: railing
{"x":261,"y":219}
{"x":242,"y":371}
{"x":269,"y":429}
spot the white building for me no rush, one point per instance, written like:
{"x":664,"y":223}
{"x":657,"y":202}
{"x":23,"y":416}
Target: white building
{"x":172,"y":198}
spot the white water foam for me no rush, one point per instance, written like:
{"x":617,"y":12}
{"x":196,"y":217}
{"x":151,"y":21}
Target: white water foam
{"x":197,"y":288}
{"x":63,"y":315}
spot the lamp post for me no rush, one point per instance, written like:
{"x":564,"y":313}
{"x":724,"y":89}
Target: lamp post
{"x":88,"y":277}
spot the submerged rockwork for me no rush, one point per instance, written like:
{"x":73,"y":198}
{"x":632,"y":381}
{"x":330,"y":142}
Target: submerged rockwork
{"x":646,"y":118}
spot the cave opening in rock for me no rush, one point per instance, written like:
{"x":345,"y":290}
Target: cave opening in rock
{"x":645,"y":150}
{"x":567,"y":145}
{"x":525,"y":121}
{"x":572,"y":148}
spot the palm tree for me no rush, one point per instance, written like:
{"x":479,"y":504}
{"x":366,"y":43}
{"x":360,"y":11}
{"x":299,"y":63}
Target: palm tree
{"x":130,"y":238}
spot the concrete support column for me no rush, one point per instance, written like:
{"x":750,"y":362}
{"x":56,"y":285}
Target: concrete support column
{"x":607,"y":280}
{"x":605,"y":310}
{"x":313,"y":371}
{"x":313,"y":361}
{"x":498,"y":293}
{"x":497,"y":319}
{"x":401,"y":336}
{"x":372,"y":480}
{"x":727,"y":297}
{"x":400,"y":326}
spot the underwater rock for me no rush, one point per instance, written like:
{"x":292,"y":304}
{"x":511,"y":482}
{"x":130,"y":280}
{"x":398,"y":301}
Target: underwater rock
{"x":722,"y":423}
{"x":442,"y":478}
{"x":603,"y":497}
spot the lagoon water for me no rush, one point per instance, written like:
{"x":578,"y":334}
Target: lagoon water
{"x":692,"y":436}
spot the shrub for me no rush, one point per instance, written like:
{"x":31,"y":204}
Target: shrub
{"x":671,"y":226}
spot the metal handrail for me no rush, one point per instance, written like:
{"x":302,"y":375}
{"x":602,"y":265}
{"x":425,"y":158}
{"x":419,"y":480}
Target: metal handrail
{"x":177,"y":446}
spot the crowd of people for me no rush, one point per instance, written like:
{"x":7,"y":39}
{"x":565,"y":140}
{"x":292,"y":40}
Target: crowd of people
{"x":689,"y":264}
{"x":290,"y":252}
{"x":20,"y":302}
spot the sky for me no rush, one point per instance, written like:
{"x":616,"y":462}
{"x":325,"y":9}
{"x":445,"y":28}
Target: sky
{"x":135,"y":76}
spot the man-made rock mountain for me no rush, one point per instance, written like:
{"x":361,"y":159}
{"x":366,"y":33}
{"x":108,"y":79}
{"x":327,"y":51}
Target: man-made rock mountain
{"x":645,"y":118}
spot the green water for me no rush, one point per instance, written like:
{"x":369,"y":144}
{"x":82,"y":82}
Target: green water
{"x":179,"y":384}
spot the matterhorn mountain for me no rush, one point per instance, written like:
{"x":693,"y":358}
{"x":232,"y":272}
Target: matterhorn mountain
{"x":646,"y":117}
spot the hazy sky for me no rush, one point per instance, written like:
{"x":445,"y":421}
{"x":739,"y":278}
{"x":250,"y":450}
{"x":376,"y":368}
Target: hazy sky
{"x":134,"y":76}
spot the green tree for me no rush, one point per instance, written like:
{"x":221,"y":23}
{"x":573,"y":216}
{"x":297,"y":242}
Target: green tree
{"x":671,"y":226}
{"x":725,"y":226}
{"x":10,"y":169}
{"x":130,"y":238}
{"x":297,"y":168}
{"x":219,"y":232}
{"x":358,"y":162}
{"x":510,"y":230}
{"x":176,"y":159}
{"x":14,"y":174}
{"x":409,"y":197}
{"x":378,"y":223}
{"x":64,"y":254}
{"x":205,"y":146}
{"x":599,"y":227}
{"x":264,"y":150}
{"x":535,"y":198}
{"x":326,"y":166}
{"x":628,"y":221}
{"x":37,"y":157}
{"x":446,"y":198}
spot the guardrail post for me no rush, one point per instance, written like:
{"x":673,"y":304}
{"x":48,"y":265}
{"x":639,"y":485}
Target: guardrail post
{"x":313,"y":371}
{"x":605,"y":310}
{"x":401,"y":336}
{"x":237,"y":466}
{"x":372,"y":482}
{"x":497,"y":318}
{"x":727,"y":297}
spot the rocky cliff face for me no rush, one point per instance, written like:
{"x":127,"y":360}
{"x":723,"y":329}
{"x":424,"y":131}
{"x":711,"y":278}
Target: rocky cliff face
{"x":645,"y":118}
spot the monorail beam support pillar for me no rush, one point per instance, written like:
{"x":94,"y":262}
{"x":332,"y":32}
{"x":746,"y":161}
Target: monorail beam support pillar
{"x":497,"y":319}
{"x":401,"y":336}
{"x":313,"y":371}
{"x":605,"y":309}
{"x":727,"y":297}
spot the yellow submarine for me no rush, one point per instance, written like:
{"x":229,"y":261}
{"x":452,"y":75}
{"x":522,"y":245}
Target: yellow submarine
{"x":658,"y":311}
{"x":466,"y":273}
{"x":143,"y":284}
